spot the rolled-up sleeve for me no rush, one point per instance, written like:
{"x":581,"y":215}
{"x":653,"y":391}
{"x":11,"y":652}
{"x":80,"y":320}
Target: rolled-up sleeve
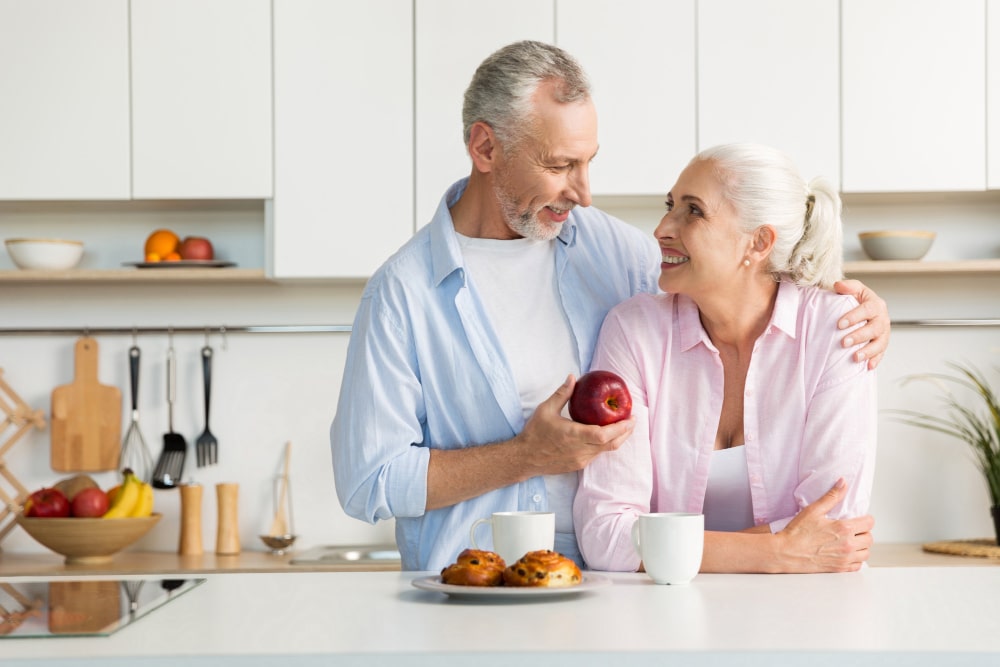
{"x":379,"y":467}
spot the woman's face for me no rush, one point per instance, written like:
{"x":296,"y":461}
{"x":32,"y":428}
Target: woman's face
{"x":701,"y":241}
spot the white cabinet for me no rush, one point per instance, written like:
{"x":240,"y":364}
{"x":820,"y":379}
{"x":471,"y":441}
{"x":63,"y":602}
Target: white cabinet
{"x":343,"y":133}
{"x":914,"y":96}
{"x":201,"y":99}
{"x":452,"y":38}
{"x":769,"y":72}
{"x":64,"y":86}
{"x":993,"y":94}
{"x":640,"y":55}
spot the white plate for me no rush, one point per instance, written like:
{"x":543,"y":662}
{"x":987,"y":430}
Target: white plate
{"x":433,"y":583}
{"x":182,"y":264}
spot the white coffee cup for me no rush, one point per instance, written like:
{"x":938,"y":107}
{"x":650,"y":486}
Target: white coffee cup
{"x":517,"y":533}
{"x":670,"y":545}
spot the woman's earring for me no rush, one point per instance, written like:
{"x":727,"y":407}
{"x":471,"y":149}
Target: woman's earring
{"x":746,"y":262}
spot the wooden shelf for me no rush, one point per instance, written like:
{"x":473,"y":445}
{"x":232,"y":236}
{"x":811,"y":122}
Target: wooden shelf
{"x":919,"y":267}
{"x":135,"y":275}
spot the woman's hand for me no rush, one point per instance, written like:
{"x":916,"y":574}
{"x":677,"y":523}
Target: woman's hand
{"x":811,"y":542}
{"x":873,"y":311}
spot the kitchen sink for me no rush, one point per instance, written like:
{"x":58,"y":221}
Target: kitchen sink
{"x":366,"y":554}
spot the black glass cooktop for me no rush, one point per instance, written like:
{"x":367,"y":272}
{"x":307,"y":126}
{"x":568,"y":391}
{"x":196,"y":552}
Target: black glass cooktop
{"x":76,"y":608}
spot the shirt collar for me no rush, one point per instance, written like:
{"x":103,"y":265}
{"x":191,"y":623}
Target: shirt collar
{"x":783,"y":318}
{"x":446,"y":254}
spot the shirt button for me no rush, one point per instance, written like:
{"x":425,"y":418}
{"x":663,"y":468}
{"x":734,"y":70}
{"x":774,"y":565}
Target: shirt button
{"x":537,"y":498}
{"x":749,"y":436}
{"x":749,"y":392}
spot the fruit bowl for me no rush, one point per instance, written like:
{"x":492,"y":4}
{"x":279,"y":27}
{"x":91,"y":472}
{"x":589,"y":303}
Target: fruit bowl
{"x":87,"y":541}
{"x":896,"y":244}
{"x":45,"y":254}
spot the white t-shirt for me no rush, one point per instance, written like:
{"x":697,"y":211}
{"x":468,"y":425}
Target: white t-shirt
{"x":517,"y":282}
{"x":728,"y":506}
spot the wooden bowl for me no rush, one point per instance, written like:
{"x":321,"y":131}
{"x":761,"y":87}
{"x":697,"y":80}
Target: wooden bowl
{"x":87,"y":541}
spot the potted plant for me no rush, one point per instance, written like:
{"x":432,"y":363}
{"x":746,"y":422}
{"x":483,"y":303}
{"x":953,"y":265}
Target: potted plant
{"x":977,"y":426}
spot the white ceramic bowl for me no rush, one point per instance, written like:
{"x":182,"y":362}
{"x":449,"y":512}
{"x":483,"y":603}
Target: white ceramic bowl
{"x":47,"y":254}
{"x":896,"y":244}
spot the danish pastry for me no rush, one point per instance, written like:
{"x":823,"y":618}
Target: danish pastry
{"x":543,"y":569}
{"x":475,"y":567}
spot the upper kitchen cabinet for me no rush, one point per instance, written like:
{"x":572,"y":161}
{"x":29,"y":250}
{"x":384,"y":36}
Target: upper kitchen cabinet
{"x":201,"y":99}
{"x":914,"y":95}
{"x":64,"y":85}
{"x":640,"y":55}
{"x":769,"y":72}
{"x":452,"y":38}
{"x":993,"y":94}
{"x":343,"y":137}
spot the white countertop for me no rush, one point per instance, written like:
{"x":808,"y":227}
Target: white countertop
{"x":378,"y":618}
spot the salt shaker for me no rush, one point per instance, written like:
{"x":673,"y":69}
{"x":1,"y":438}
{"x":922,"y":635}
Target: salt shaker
{"x":227,"y":540}
{"x":190,"y":539}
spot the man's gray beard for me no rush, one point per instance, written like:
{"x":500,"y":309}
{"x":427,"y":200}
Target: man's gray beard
{"x":524,"y":224}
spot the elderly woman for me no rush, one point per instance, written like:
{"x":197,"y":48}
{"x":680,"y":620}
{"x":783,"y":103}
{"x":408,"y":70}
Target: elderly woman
{"x":748,"y":409}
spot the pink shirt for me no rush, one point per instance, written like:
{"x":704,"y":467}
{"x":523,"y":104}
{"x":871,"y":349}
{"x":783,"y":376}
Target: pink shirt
{"x":809,"y":418}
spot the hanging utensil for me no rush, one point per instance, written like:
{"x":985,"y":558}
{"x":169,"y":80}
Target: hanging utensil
{"x":207,"y":447}
{"x":135,"y":453}
{"x":170,"y":467}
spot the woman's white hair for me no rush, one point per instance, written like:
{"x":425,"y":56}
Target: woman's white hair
{"x":765,"y":187}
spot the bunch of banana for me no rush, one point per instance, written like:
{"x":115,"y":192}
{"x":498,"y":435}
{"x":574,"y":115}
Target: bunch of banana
{"x":133,"y":498}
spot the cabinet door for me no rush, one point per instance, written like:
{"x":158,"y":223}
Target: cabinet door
{"x":343,"y":112}
{"x":640,"y":58}
{"x":64,"y":114}
{"x":769,"y":72}
{"x":201,"y":99}
{"x":914,"y":96}
{"x":452,"y":38}
{"x":993,"y":93}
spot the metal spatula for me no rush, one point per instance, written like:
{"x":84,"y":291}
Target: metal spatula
{"x":170,"y":467}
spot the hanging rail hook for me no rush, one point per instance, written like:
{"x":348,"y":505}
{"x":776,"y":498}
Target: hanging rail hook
{"x":135,"y":336}
{"x":225,"y":341}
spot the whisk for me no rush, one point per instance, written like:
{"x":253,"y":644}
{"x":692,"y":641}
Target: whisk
{"x":135,"y":453}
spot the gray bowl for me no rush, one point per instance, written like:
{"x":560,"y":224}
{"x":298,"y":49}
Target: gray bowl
{"x":896,"y":244}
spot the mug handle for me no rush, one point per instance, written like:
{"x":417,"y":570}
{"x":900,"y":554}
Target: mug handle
{"x":635,"y":539}
{"x":472,"y":531}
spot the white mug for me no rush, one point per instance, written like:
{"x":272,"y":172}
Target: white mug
{"x":517,"y":533}
{"x":670,"y":545}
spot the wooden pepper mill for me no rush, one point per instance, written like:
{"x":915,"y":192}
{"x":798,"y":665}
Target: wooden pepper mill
{"x":190,"y":541}
{"x":227,"y":541}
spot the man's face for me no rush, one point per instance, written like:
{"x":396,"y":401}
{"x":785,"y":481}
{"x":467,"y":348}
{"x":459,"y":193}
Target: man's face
{"x":547,"y":174}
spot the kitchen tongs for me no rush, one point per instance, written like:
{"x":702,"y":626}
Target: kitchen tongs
{"x":170,"y":467}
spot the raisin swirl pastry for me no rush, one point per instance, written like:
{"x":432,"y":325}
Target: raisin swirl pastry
{"x":475,"y":568}
{"x":544,"y":568}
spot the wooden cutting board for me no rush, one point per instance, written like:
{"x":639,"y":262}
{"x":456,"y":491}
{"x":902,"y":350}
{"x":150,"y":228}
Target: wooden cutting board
{"x":86,"y":418}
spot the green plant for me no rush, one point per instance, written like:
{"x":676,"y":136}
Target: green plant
{"x":978,"y":427}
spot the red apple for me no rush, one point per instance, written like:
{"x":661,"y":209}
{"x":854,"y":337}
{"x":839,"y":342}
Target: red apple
{"x":89,"y":503}
{"x":196,"y":247}
{"x":600,"y":398}
{"x":47,"y":503}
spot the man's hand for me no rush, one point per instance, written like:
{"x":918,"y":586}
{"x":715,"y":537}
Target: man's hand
{"x":873,"y":311}
{"x":552,"y":444}
{"x":813,"y":543}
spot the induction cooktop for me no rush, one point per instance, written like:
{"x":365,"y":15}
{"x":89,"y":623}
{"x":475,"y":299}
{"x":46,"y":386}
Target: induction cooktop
{"x":77,"y":608}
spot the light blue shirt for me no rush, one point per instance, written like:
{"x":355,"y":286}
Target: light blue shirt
{"x":425,"y":369}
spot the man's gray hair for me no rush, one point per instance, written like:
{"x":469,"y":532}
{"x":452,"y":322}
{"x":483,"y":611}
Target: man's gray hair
{"x":502,"y":87}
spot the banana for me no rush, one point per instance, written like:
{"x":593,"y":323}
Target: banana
{"x":127,"y":497}
{"x":144,"y":506}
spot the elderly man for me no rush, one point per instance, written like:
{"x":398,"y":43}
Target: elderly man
{"x":447,"y":411}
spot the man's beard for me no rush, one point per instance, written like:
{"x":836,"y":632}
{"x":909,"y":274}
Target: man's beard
{"x":523,"y":223}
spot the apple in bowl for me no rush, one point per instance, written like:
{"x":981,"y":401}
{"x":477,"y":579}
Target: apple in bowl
{"x":600,"y":398}
{"x":196,"y":247}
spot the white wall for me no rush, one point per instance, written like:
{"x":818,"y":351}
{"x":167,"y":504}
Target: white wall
{"x":269,"y":388}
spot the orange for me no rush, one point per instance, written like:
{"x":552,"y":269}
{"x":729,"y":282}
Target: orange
{"x":162,"y":242}
{"x":172,"y":257}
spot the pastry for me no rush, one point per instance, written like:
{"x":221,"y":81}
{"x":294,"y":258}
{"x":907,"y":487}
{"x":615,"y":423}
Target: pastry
{"x":475,"y":568}
{"x":543,"y":569}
